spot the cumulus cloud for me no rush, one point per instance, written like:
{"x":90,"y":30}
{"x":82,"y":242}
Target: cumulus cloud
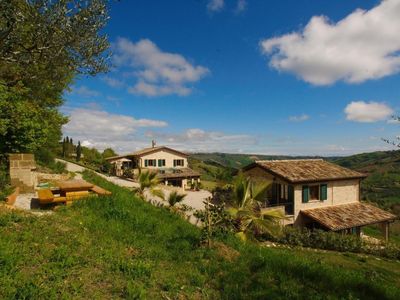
{"x":367,"y":112}
{"x":158,"y":73}
{"x":84,"y":91}
{"x":103,"y":129}
{"x":300,"y":118}
{"x":215,"y":5}
{"x":196,"y":139}
{"x":113,"y":82}
{"x":364,"y":45}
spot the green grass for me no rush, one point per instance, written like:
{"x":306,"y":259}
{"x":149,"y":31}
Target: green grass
{"x":122,"y":247}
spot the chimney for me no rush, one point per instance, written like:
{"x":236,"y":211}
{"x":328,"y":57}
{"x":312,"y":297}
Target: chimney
{"x":153,"y":143}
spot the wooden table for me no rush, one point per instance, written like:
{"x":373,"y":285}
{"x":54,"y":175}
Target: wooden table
{"x":74,"y":189}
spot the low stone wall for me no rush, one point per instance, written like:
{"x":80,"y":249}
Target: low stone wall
{"x":21,"y":175}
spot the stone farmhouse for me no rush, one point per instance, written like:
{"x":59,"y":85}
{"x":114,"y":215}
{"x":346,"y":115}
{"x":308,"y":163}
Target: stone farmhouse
{"x":171,"y":165}
{"x":318,"y":194}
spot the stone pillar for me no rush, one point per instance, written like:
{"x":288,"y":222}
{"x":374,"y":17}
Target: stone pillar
{"x":21,"y":171}
{"x":166,"y":182}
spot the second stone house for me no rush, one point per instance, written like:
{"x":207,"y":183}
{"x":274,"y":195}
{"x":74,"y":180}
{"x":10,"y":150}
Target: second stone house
{"x":318,"y":194}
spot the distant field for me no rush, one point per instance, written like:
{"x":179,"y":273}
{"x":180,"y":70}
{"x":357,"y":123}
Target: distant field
{"x":120,"y":247}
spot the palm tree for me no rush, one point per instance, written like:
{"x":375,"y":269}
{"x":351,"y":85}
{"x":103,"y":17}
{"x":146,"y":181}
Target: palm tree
{"x":174,"y":198}
{"x":148,"y":181}
{"x":250,"y":218}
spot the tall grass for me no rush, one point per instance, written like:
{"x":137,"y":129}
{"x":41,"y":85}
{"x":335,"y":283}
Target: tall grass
{"x":122,"y":247}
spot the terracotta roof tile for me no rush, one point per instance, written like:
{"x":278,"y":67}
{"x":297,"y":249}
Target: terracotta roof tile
{"x":345,"y":216}
{"x":306,"y":170}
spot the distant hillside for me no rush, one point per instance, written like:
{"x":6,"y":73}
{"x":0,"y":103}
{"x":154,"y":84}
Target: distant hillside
{"x":383,"y":182}
{"x":237,"y":161}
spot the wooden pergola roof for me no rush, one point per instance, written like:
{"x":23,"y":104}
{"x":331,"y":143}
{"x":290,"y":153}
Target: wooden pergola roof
{"x":179,"y":173}
{"x":346,"y":216}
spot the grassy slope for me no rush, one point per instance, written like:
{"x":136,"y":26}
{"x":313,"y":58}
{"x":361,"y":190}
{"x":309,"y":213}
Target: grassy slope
{"x":121,"y":247}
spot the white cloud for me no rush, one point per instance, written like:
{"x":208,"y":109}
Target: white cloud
{"x":158,"y":73}
{"x":300,"y":118}
{"x":215,"y":5}
{"x":84,"y":91}
{"x":196,"y":139}
{"x":360,"y":111}
{"x":364,"y":45}
{"x":102,"y":129}
{"x":241,"y":5}
{"x":113,"y":82}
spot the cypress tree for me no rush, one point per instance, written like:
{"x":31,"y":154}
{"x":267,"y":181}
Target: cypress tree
{"x":78,"y":151}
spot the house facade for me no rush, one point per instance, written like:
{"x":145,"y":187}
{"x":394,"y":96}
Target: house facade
{"x":170,"y":165}
{"x":317,"y":194}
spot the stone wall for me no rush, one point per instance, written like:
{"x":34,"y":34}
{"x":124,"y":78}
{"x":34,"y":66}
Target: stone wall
{"x":21,"y":171}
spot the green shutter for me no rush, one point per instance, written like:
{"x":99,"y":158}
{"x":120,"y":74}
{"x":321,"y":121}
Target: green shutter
{"x":306,"y":193}
{"x":174,"y":162}
{"x":159,"y":163}
{"x":145,"y":163}
{"x":323,"y":192}
{"x":291,"y":193}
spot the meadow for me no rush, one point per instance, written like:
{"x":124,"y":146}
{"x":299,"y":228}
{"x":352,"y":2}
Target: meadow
{"x":122,"y":247}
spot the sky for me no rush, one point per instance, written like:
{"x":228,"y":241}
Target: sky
{"x":244,"y":76}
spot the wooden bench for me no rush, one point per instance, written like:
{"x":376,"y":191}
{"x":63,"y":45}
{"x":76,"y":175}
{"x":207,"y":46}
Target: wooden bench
{"x":46,"y":197}
{"x":100,"y":191}
{"x":10,"y":199}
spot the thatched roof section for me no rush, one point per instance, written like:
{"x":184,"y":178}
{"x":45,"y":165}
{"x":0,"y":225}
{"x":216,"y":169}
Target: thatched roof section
{"x":179,"y":173}
{"x":306,"y":170}
{"x":348,"y":215}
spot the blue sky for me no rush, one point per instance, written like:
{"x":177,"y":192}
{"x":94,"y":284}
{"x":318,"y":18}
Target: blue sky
{"x":269,"y":77}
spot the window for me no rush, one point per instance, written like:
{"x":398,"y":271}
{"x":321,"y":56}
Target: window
{"x":149,"y":162}
{"x":314,"y":192}
{"x":179,"y":162}
{"x":161,"y":162}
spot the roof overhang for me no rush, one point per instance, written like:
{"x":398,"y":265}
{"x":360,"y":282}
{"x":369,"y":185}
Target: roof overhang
{"x":339,"y":217}
{"x":322,"y":179}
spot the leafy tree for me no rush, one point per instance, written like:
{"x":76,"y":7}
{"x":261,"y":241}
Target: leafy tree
{"x":44,"y":44}
{"x":109,"y":152}
{"x":396,"y":141}
{"x":249,"y":217}
{"x":78,"y":151}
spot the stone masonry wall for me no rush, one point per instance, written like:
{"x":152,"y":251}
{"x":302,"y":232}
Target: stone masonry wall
{"x":21,"y":171}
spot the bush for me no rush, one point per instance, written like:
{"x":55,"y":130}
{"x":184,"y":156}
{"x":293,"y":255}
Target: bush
{"x":329,"y":240}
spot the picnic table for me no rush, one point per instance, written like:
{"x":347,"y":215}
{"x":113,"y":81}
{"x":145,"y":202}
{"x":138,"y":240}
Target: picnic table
{"x":70,"y":190}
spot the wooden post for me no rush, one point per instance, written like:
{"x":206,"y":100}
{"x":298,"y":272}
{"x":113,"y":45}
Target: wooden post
{"x":386,"y":232}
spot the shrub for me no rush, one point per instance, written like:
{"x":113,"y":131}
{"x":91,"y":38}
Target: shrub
{"x":329,"y":240}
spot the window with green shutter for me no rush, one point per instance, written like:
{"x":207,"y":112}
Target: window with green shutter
{"x":323,"y":192}
{"x":146,"y":162}
{"x":305,"y":194}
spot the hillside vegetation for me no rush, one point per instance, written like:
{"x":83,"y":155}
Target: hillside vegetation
{"x":122,"y":247}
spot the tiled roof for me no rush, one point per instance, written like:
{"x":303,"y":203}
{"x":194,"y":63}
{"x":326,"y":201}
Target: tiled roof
{"x":345,"y":216}
{"x":148,"y":151}
{"x":306,"y":170}
{"x":178,"y":173}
